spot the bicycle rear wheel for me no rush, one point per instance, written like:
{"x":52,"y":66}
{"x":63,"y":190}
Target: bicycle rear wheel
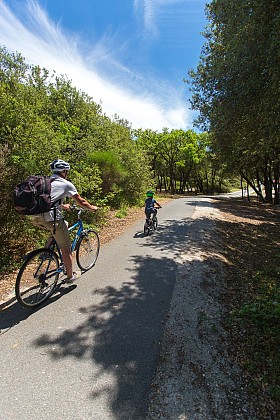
{"x":155,"y":223}
{"x":37,"y":278}
{"x":87,"y":249}
{"x":146,"y":228}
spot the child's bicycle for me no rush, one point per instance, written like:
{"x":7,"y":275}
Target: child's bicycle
{"x":38,"y":276}
{"x":151,"y":224}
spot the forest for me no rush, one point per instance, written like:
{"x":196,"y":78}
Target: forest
{"x":235,"y":88}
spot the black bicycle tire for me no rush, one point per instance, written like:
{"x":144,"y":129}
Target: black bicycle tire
{"x":31,"y":256}
{"x":155,"y":223}
{"x":79,"y":244}
{"x":146,"y":230}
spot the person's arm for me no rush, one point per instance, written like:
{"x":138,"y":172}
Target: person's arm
{"x":82,"y":202}
{"x":159,"y":206}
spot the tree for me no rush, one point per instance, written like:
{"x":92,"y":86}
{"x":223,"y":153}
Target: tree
{"x":235,"y":88}
{"x":43,"y":117}
{"x":174,"y":156}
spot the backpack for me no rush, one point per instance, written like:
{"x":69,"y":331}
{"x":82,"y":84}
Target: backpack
{"x":33,"y":196}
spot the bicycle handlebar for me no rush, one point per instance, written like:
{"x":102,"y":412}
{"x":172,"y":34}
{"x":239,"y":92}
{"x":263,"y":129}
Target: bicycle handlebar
{"x":74,"y":207}
{"x":78,"y":209}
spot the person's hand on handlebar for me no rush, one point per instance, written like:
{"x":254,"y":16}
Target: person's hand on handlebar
{"x":66,"y":207}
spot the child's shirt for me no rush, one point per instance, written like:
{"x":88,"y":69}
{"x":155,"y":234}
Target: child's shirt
{"x":149,"y":203}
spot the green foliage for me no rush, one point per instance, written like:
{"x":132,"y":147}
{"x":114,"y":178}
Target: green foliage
{"x":122,"y":212}
{"x":236,"y":92}
{"x":181,"y":160}
{"x":112,"y":171}
{"x":43,"y":117}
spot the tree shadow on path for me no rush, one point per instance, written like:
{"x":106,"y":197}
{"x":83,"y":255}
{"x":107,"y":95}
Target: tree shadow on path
{"x":122,"y":334}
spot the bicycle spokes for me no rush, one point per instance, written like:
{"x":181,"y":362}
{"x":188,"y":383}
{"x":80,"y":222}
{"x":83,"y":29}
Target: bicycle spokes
{"x":87,"y":250}
{"x":37,"y":278}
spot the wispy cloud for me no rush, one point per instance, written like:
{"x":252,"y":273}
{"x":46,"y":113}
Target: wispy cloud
{"x":149,"y":16}
{"x":141,"y":99}
{"x":152,"y":11}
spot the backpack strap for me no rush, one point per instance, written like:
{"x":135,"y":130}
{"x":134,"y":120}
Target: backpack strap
{"x":54,"y":208}
{"x":54,"y":220}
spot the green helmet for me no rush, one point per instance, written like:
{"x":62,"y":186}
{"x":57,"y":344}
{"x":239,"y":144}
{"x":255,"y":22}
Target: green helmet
{"x":149,"y":193}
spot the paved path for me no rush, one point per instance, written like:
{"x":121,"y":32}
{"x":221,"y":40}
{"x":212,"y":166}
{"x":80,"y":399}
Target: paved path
{"x":92,"y":351}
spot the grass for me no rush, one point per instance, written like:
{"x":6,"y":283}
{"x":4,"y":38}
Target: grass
{"x":122,"y":212}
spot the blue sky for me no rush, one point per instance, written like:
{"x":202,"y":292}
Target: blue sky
{"x":129,"y":55}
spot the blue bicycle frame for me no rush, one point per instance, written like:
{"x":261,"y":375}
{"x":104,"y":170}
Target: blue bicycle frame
{"x":79,"y":225}
{"x":39,"y":274}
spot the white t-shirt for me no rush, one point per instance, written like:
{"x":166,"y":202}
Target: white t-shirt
{"x":60,"y":188}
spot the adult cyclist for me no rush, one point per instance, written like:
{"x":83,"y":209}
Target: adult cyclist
{"x":61,"y":188}
{"x":151,"y":205}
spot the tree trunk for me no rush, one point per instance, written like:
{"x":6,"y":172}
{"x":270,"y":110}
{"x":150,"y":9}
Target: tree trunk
{"x":252,"y":185}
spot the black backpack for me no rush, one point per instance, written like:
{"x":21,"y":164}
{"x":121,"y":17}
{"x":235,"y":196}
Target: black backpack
{"x":33,"y":196}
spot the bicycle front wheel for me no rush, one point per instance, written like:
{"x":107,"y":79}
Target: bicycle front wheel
{"x":87,"y":249}
{"x":37,"y":278}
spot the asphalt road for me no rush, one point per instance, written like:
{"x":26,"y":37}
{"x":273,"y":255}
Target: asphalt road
{"x":92,"y":350}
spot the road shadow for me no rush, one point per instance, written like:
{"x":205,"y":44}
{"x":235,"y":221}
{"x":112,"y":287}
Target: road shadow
{"x":122,"y":334}
{"x":12,"y":313}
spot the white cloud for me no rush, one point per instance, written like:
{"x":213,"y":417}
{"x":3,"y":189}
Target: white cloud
{"x":151,"y":13}
{"x":42,"y":42}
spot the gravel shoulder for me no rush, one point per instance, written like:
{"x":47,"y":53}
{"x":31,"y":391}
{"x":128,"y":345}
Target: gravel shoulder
{"x":197,"y":378}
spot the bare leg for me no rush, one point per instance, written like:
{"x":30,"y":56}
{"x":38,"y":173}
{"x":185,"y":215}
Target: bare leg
{"x":67,"y":259}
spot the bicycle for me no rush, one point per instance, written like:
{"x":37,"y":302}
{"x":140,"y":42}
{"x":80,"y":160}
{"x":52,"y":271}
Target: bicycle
{"x":151,"y":224}
{"x":39,"y":274}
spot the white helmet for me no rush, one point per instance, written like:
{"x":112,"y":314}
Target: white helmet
{"x":59,"y":165}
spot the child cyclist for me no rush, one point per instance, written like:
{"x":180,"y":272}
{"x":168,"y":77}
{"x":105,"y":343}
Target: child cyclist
{"x":150,"y":204}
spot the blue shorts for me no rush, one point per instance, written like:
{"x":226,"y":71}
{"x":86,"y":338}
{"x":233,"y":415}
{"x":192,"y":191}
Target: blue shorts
{"x":148,"y":212}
